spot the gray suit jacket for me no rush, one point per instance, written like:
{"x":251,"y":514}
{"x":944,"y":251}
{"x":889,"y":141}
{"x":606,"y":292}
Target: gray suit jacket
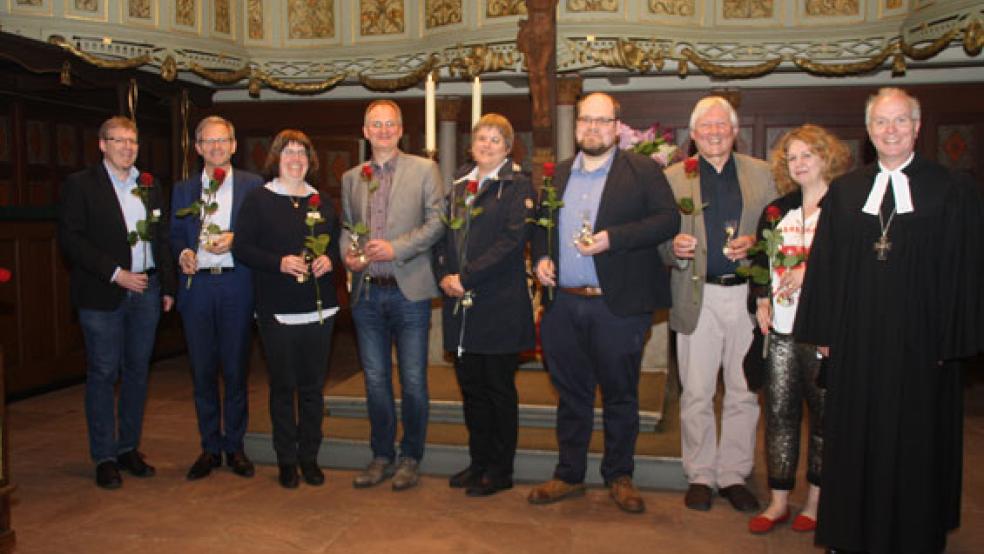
{"x":757,"y":190}
{"x":413,"y":223}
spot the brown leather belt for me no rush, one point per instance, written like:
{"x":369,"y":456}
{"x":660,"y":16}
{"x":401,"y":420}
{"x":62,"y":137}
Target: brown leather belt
{"x":382,"y":281}
{"x":582,"y":291}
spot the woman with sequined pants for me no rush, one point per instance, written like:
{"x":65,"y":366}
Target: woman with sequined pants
{"x":803,"y":163}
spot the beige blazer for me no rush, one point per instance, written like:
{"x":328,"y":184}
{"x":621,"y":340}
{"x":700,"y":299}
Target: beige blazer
{"x":757,"y":190}
{"x":413,"y":223}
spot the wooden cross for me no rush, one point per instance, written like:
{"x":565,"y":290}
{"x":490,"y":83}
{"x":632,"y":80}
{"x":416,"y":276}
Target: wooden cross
{"x":882,"y":247}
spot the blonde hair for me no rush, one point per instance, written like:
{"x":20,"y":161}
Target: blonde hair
{"x":499,"y":123}
{"x":835,"y":155}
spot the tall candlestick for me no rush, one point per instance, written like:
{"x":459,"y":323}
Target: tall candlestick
{"x":476,"y":101}
{"x":430,"y":114}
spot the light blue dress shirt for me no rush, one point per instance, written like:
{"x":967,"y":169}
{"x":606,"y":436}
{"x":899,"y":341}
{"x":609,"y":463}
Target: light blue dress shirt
{"x":133,"y":211}
{"x":581,"y":200}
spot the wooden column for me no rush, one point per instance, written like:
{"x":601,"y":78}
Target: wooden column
{"x":537,"y":39}
{"x":568,"y":91}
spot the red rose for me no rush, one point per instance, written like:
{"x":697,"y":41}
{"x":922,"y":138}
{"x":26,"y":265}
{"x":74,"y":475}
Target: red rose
{"x":773,"y":213}
{"x":690,"y":166}
{"x":367,"y":171}
{"x":218,"y":175}
{"x":5,"y":275}
{"x":548,"y":169}
{"x":146,"y":180}
{"x":314,"y":202}
{"x":472,"y":187}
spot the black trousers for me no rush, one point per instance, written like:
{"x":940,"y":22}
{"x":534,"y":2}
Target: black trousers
{"x":586,"y":346}
{"x":491,"y":404}
{"x":297,"y":361}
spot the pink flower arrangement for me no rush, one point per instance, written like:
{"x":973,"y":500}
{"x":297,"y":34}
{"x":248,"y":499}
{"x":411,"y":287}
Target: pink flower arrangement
{"x":654,"y":142}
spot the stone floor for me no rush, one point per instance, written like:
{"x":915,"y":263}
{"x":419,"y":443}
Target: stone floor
{"x":58,"y":509}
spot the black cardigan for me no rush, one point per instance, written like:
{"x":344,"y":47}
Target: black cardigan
{"x":269,"y":227}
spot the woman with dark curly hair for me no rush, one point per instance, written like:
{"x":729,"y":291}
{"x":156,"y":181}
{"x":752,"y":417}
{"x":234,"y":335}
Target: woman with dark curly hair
{"x":804,"y":161}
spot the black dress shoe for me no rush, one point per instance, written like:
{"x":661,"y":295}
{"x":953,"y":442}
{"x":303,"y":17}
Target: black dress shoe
{"x":240,"y":464}
{"x":203,"y":465}
{"x":488,"y":487}
{"x":741,"y":498}
{"x":108,"y":475}
{"x":133,"y":462}
{"x":312,"y":473}
{"x":288,"y":476}
{"x":698,"y":497}
{"x":469,"y":477}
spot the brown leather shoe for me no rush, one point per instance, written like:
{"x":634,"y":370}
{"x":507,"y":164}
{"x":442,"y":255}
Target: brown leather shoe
{"x":554,"y":490}
{"x":624,"y":493}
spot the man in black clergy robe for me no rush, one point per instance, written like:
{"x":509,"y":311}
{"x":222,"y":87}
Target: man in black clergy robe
{"x":892,"y":294}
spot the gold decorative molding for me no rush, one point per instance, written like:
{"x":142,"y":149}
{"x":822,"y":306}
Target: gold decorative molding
{"x":481,"y":59}
{"x":632,"y":54}
{"x":730,"y":72}
{"x":842,"y":69}
{"x":400,"y":83}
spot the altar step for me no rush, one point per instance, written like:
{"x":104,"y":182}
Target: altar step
{"x":346,"y":428}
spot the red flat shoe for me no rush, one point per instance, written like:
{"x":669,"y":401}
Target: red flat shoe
{"x":761,"y":524}
{"x":804,"y":523}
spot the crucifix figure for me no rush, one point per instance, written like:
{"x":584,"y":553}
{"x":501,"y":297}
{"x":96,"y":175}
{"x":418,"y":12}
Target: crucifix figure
{"x":882,"y":247}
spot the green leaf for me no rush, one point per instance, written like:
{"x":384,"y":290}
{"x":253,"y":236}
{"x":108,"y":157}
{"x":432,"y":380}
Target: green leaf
{"x":211,"y":208}
{"x":132,"y":238}
{"x":213,"y":229}
{"x":194,"y":209}
{"x":143,"y":230}
{"x":361,"y":228}
{"x":475,"y":212}
{"x":318,"y":244}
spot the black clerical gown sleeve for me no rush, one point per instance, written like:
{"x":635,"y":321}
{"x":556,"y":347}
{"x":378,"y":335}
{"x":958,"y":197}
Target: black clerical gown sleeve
{"x":815,"y":318}
{"x":962,"y":312}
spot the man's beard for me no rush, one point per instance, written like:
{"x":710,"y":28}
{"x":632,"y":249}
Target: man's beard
{"x":596,"y":150}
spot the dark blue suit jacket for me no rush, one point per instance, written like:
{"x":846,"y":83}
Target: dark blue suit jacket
{"x":185,"y":230}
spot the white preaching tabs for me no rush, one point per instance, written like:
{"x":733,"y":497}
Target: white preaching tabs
{"x":900,"y":189}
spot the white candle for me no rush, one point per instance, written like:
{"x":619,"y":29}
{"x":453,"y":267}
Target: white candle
{"x":430,"y":113}
{"x":476,"y":101}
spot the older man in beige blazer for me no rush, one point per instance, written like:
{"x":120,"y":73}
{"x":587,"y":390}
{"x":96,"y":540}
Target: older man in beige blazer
{"x":396,"y":200}
{"x":728,"y":192}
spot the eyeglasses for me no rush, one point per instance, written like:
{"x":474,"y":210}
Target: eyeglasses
{"x":214,"y":141}
{"x":381,"y":124}
{"x":901,"y":122}
{"x":299,"y":152}
{"x":595,"y":121}
{"x":122,"y":141}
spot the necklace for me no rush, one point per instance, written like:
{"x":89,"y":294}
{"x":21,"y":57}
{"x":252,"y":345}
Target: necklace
{"x":882,"y":246}
{"x":296,"y":202}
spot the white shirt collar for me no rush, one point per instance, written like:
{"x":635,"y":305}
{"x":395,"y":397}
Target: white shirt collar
{"x":900,"y":189}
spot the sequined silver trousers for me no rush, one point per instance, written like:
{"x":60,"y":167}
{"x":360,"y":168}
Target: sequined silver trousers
{"x":791,"y":378}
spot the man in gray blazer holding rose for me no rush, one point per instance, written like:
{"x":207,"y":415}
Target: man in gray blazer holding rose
{"x":722,"y":194}
{"x":392,"y":206}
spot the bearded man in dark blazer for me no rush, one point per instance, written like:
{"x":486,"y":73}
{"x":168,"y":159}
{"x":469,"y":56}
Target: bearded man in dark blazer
{"x":112,"y":228}
{"x":609,"y":281}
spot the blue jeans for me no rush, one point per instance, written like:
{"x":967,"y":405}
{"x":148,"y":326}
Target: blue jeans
{"x":118,"y":346}
{"x":380,"y":318}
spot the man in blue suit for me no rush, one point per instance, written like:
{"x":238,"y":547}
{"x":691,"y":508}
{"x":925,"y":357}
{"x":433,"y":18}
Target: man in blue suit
{"x":215,"y":297}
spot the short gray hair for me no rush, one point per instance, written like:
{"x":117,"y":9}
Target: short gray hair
{"x":888,"y":92}
{"x":706,"y":103}
{"x":217,"y":120}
